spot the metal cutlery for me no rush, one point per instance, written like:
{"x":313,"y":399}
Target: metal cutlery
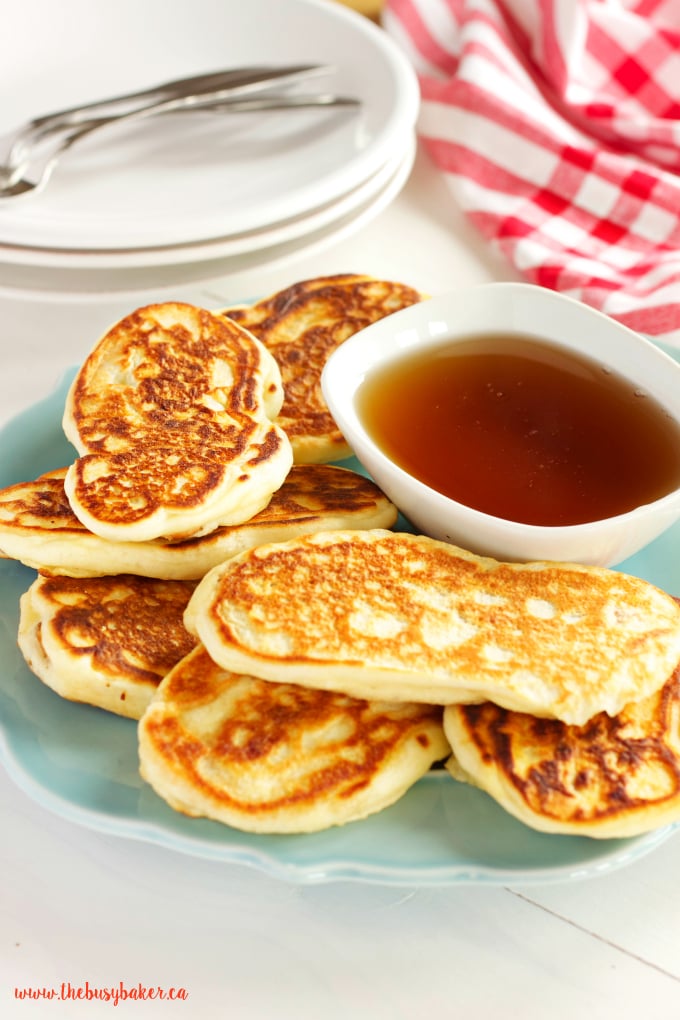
{"x":234,"y":82}
{"x":234,"y":79}
{"x":34,"y":171}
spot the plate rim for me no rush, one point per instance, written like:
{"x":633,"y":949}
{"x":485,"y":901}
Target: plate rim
{"x":297,"y":228}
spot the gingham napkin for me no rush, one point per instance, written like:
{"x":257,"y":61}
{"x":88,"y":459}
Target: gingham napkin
{"x":557,"y":125}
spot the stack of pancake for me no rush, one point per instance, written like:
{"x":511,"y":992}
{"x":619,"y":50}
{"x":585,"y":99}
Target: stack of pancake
{"x":184,"y":459}
{"x":292,"y":662}
{"x":559,"y":683}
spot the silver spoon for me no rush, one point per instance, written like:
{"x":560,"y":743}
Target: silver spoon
{"x":41,"y":169}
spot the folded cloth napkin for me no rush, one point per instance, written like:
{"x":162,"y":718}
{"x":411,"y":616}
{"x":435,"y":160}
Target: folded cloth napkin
{"x":557,"y":124}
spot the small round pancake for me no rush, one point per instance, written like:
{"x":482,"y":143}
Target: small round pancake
{"x":301,"y":326}
{"x":104,"y":641}
{"x":170,"y":414}
{"x":394,"y":616}
{"x":614,"y":777}
{"x":279,"y":758}
{"x":38,"y":526}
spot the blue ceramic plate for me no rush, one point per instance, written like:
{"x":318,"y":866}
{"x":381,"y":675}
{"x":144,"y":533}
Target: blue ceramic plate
{"x":81,"y":762}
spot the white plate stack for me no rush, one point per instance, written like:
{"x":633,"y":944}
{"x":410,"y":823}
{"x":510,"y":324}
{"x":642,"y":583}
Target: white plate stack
{"x":200,"y":195}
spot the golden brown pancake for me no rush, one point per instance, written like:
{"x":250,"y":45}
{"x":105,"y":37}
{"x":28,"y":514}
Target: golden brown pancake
{"x":277,"y":757}
{"x":613,"y":777}
{"x":394,"y":616}
{"x":38,"y":526}
{"x":170,"y":414}
{"x":301,"y":326}
{"x":105,"y":641}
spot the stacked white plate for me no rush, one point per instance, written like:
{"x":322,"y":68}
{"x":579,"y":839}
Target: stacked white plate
{"x":201,"y":194}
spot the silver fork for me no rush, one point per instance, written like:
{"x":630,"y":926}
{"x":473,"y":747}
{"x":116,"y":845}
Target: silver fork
{"x":233,"y":82}
{"x":40,"y":168}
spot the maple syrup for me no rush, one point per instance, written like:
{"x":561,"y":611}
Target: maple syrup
{"x":522,"y":429}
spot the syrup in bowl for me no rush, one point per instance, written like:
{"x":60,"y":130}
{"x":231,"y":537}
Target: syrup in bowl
{"x":515,"y":422}
{"x":522,"y":429}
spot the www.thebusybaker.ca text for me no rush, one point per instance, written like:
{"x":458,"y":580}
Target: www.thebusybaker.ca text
{"x":104,"y":993}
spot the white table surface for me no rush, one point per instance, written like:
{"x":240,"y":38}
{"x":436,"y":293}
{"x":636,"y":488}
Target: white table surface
{"x":80,"y":907}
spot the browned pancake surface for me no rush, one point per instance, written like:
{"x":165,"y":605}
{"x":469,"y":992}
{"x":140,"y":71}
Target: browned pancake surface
{"x":38,"y":526}
{"x":40,"y":505}
{"x":301,"y":326}
{"x":167,"y":406}
{"x":124,"y":623}
{"x":422,"y":620}
{"x":105,"y":641}
{"x":614,"y":776}
{"x":279,"y":757}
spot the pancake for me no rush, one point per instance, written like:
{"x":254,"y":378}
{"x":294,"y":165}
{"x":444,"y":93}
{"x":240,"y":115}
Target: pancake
{"x":394,"y":616}
{"x":279,"y":758}
{"x":170,"y":414}
{"x":613,"y":777}
{"x":39,"y":528}
{"x":104,"y":641}
{"x":301,"y":326}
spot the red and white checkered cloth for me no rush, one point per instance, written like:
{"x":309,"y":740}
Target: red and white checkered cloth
{"x":557,"y":124}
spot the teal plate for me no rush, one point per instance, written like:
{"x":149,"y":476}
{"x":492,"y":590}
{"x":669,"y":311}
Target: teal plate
{"x":81,"y":762}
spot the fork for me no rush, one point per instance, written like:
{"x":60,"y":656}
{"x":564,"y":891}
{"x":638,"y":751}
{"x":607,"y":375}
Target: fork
{"x":17,"y":184}
{"x":232,"y":82}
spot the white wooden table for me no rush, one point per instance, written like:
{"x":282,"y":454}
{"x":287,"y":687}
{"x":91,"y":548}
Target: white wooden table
{"x":100,"y":911}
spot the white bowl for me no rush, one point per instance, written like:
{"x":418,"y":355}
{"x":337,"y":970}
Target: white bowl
{"x":504,"y":308}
